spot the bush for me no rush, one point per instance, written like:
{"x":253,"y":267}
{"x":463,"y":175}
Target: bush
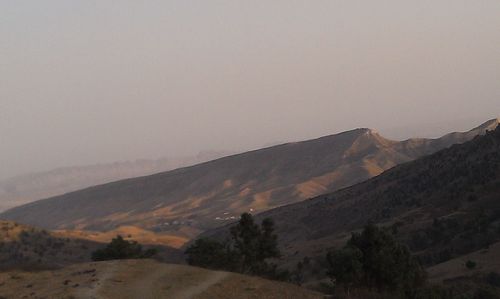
{"x":470,"y":264}
{"x":207,"y":253}
{"x":119,"y":248}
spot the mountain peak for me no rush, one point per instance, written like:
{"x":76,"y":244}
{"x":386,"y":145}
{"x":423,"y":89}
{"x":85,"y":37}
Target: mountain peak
{"x":489,"y":125}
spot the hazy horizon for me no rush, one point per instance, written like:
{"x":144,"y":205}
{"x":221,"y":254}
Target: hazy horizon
{"x":86,"y":82}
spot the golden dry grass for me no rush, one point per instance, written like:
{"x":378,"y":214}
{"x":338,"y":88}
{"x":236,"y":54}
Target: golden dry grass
{"x":140,"y":235}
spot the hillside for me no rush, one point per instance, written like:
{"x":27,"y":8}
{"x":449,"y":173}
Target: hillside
{"x":23,"y":189}
{"x":442,"y":206}
{"x":143,"y":279}
{"x":27,"y":247}
{"x":189,"y":200}
{"x":30,"y":248}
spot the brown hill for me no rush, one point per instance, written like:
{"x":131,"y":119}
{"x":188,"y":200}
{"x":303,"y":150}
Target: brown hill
{"x":135,"y":233}
{"x":442,"y":206}
{"x":23,"y":246}
{"x":31,"y":248}
{"x":143,"y":279}
{"x":189,"y":200}
{"x":30,"y":187}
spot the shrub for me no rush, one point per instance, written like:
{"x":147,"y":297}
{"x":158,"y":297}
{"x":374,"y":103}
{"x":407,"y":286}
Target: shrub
{"x":210,"y":254}
{"x":470,"y":264}
{"x":119,"y":248}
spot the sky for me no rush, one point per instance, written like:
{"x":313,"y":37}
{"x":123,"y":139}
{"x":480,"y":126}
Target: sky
{"x":84,"y":82}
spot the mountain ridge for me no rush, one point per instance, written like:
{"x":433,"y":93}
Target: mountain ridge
{"x":189,"y":200}
{"x":442,"y":206}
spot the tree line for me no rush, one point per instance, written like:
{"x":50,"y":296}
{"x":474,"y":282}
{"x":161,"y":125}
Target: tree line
{"x":372,"y":259}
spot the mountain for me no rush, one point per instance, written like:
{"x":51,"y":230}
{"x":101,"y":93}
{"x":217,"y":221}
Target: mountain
{"x":132,"y":279}
{"x":187,"y":201}
{"x":443,"y":206}
{"x":30,"y":187}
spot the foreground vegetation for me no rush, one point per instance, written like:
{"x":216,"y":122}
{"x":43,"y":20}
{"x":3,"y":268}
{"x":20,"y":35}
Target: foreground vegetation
{"x":119,"y":249}
{"x":372,"y":264}
{"x":373,"y":259}
{"x":247,"y":251}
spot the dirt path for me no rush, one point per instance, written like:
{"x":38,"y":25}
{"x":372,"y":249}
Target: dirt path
{"x":202,"y":286}
{"x":149,"y":280}
{"x":92,"y":292}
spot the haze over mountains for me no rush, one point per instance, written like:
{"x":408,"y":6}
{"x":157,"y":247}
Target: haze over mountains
{"x":187,"y":201}
{"x":27,"y":188}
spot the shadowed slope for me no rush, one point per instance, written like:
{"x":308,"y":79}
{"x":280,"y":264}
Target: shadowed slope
{"x":442,"y":206}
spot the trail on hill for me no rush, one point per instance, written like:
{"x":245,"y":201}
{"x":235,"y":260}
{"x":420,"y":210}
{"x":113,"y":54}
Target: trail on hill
{"x":148,"y":281}
{"x":93,"y":291}
{"x":154,"y":285}
{"x":202,"y":286}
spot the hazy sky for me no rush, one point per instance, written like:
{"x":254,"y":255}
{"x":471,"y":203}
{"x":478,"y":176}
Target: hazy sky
{"x":95,"y":81}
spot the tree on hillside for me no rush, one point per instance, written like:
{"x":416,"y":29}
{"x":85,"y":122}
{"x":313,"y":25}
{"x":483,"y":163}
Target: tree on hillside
{"x":374,"y":259}
{"x":247,"y":251}
{"x":345,"y":267}
{"x":119,"y":248}
{"x":254,"y":244}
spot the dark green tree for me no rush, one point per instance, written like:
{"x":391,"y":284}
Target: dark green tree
{"x":254,"y":244}
{"x":247,"y":251}
{"x":386,"y":262}
{"x":374,"y":259}
{"x":245,"y":237}
{"x":345,"y":267}
{"x":268,"y":241}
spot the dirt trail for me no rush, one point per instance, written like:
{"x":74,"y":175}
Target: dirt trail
{"x":147,"y":280}
{"x":92,"y":292}
{"x":202,"y":286}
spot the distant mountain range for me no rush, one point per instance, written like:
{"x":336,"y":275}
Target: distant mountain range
{"x":30,"y":187}
{"x":190,"y":200}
